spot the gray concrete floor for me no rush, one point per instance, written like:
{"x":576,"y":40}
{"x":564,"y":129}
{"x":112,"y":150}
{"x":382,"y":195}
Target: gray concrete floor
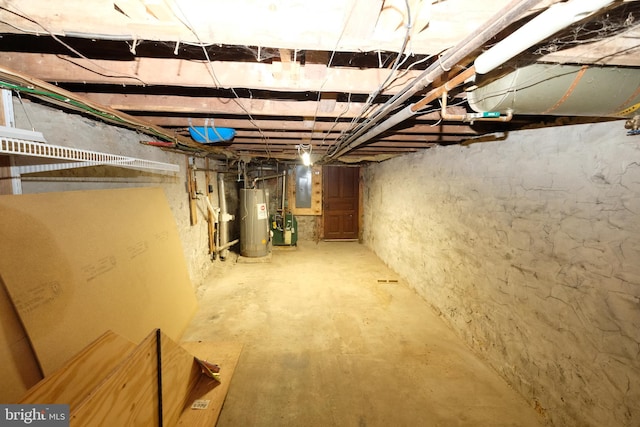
{"x":330,"y":339}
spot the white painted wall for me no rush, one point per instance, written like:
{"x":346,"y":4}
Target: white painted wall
{"x":530,"y":249}
{"x":73,"y":130}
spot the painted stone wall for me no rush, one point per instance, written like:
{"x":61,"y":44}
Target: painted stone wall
{"x":530,"y":249}
{"x":73,"y":130}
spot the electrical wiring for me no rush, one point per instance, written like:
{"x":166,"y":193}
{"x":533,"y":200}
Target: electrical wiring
{"x":80,"y":106}
{"x":413,"y":64}
{"x":26,"y":114}
{"x":592,"y":31}
{"x":333,"y":53}
{"x":62,"y":99}
{"x":452,"y":56}
{"x":368,"y":104}
{"x":185,"y":21}
{"x":22,"y":15}
{"x":394,"y":68}
{"x":335,"y":122}
{"x":388,"y":103}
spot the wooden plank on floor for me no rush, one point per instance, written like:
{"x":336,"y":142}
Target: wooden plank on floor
{"x":225,"y":354}
{"x":128,"y":396}
{"x":78,"y":263}
{"x":72,"y":383}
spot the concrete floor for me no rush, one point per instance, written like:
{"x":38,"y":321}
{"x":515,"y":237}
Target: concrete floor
{"x":331,"y":339}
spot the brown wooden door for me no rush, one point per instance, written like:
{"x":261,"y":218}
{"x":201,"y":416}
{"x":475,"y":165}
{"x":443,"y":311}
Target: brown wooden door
{"x":341,"y":200}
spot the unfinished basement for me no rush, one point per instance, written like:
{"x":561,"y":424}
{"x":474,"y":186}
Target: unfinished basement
{"x":337,"y":213}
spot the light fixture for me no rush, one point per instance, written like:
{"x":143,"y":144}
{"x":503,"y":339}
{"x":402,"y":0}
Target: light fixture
{"x":304,"y":151}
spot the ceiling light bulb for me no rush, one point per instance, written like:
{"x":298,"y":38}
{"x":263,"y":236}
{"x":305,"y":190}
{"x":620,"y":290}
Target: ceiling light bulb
{"x":306,"y":159}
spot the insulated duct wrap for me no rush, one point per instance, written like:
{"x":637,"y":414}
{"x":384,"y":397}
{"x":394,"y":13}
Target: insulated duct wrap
{"x":560,"y":90}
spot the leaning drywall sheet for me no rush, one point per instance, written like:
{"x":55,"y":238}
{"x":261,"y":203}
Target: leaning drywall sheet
{"x":18,"y":365}
{"x":78,"y":263}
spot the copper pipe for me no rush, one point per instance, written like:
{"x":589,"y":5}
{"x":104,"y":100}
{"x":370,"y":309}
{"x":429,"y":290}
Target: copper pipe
{"x":436,"y":93}
{"x":471,"y":117}
{"x":475,"y":40}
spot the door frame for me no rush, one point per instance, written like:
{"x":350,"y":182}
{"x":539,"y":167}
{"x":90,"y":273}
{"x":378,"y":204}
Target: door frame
{"x":360,"y":203}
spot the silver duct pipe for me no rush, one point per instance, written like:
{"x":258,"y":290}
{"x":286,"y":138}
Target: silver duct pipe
{"x":506,"y":16}
{"x":284,"y":189}
{"x":264,"y":178}
{"x":563,"y":90}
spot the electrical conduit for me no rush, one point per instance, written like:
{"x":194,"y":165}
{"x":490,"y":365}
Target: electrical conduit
{"x":506,"y":16}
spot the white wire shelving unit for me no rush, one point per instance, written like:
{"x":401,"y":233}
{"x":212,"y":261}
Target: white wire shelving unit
{"x":76,"y":157}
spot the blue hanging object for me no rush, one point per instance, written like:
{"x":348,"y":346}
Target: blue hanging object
{"x":211,"y":134}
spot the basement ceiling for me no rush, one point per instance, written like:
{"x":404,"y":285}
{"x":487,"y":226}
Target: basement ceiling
{"x":287,"y":75}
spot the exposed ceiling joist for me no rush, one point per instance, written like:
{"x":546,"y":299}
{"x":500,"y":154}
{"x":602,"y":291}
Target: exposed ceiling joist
{"x":188,"y":73}
{"x":289,"y":71}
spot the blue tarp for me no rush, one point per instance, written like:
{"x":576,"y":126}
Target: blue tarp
{"x":211,"y":134}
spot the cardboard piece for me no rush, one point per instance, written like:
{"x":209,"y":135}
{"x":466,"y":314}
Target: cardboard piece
{"x":76,"y":264}
{"x":19,"y":368}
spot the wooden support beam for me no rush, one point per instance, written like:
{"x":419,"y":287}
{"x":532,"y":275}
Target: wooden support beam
{"x":9,"y":184}
{"x":279,"y":76}
{"x":216,"y":106}
{"x":192,"y":188}
{"x":66,"y":99}
{"x":425,"y":124}
{"x":317,"y":137}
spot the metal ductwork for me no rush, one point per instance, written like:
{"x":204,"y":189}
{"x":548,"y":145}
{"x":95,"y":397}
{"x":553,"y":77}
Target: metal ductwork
{"x":560,"y":90}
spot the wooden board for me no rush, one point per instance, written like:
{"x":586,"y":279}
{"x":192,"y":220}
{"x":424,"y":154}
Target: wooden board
{"x":79,"y":263}
{"x":128,"y":396}
{"x":225,"y":354}
{"x":19,"y":368}
{"x":73,"y":382}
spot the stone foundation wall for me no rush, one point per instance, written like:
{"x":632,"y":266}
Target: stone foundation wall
{"x":530,"y":249}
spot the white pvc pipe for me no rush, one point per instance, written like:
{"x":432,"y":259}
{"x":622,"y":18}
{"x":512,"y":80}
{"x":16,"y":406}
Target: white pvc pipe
{"x":549,"y":22}
{"x":223,"y":222}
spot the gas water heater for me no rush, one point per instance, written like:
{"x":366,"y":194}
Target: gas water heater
{"x":254,"y":223}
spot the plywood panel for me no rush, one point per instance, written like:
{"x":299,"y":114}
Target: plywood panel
{"x":128,"y":396}
{"x":72,"y":383}
{"x":79,"y":263}
{"x":225,"y":354}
